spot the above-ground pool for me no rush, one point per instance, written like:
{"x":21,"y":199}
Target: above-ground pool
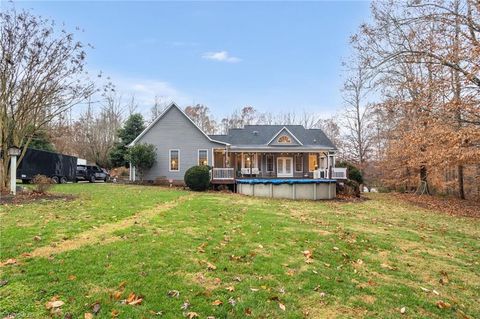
{"x":288,"y":188}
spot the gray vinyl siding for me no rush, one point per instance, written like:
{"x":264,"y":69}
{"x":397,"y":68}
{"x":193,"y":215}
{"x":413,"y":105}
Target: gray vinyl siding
{"x":175,"y":131}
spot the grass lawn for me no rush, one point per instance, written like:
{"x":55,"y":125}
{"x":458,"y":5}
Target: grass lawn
{"x":229,"y":256}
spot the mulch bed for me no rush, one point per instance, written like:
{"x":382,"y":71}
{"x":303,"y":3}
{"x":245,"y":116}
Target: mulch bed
{"x":448,"y":205}
{"x":31,"y":197}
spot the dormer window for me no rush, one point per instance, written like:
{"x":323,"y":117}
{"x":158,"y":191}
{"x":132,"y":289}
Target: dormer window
{"x":284,"y":139}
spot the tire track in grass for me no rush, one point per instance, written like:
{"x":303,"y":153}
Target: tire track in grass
{"x":104,"y":233}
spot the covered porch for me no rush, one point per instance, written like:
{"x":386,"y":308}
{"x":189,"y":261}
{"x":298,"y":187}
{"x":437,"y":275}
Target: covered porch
{"x":229,"y":165}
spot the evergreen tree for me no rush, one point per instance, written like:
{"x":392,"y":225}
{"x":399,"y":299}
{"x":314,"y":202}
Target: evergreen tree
{"x":130,"y":130}
{"x":41,"y":141}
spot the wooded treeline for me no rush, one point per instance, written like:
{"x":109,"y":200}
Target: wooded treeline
{"x":418,"y":63}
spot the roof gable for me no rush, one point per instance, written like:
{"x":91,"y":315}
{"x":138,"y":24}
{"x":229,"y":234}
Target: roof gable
{"x":154,"y":122}
{"x":284,"y":138}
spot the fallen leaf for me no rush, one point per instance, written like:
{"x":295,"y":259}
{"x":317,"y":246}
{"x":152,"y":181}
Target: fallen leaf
{"x":122,"y":285}
{"x":230,"y":288}
{"x":254,"y":289}
{"x":115,"y":313}
{"x":11,"y":261}
{"x":191,"y":315}
{"x":185,"y":305}
{"x":248,"y":311}
{"x":137,"y":301}
{"x":282,"y":306}
{"x":173,"y":293}
{"x":54,"y":303}
{"x":443,"y":305}
{"x":403,"y":310}
{"x":117,"y":295}
{"x":387,"y":266}
{"x":133,"y":299}
{"x":37,"y":238}
{"x":308,"y":254}
{"x":211,"y":266}
{"x":88,"y":315}
{"x":232,"y":301}
{"x":72,"y":277}
{"x":201,"y":248}
{"x":217,"y":303}
{"x":3,"y":282}
{"x":424,"y":289}
{"x":96,"y":308}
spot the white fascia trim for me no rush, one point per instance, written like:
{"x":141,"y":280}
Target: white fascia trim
{"x":161,"y":115}
{"x":285,"y":128}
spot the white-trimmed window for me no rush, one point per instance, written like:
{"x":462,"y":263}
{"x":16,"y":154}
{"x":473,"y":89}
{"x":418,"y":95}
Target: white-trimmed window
{"x":298,"y":163}
{"x":269,"y":163}
{"x":202,"y":157}
{"x":174,"y":160}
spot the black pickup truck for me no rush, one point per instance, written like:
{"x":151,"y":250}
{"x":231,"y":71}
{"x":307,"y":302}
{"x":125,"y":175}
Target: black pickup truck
{"x":91,"y":173}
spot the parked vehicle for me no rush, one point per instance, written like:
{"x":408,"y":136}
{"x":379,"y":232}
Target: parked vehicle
{"x":59,"y":167}
{"x":92,"y":173}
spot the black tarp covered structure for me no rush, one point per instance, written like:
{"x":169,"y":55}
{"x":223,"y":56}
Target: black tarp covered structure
{"x":46,"y":163}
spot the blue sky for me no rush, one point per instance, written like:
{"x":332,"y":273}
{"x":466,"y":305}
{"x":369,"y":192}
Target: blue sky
{"x":275,"y":56}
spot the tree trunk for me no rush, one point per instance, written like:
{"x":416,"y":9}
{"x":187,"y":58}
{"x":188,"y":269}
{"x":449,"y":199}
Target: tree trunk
{"x":423,"y":188}
{"x":461,"y":189}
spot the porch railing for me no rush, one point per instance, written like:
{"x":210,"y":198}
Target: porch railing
{"x":339,"y":172}
{"x":223,"y":173}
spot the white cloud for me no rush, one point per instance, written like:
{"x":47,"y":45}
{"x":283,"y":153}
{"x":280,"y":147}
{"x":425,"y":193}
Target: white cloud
{"x":222,"y":56}
{"x":145,"y":91}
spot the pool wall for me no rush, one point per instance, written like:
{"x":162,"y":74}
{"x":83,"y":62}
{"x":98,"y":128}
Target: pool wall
{"x":289,"y":190}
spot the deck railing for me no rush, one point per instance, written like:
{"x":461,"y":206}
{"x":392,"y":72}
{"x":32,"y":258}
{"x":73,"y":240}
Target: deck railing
{"x":339,"y":172}
{"x":223,"y":173}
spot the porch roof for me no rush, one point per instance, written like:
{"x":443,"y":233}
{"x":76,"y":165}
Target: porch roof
{"x":276,"y":149}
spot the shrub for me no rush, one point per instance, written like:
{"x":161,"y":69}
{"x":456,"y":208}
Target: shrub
{"x":197,"y":178}
{"x":142,"y":156}
{"x":353,"y":172}
{"x":42,"y":183}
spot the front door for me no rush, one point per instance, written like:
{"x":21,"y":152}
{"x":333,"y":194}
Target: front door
{"x":284,"y":166}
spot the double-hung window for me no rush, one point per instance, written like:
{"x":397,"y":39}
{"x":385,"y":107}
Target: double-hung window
{"x":202,"y":157}
{"x":269,"y":163}
{"x":298,"y":163}
{"x":174,"y":160}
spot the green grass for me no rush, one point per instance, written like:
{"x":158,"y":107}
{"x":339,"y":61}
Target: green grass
{"x":369,"y":258}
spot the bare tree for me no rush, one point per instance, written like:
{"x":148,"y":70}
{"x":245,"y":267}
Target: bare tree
{"x":159,"y":105}
{"x":41,"y":77}
{"x":200,"y":114}
{"x":357,"y":118}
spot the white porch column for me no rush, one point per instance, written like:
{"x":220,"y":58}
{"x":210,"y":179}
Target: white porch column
{"x":134,"y":173}
{"x":130,"y":171}
{"x":327,"y":172}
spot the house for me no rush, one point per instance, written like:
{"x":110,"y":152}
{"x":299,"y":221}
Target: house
{"x":254,"y":151}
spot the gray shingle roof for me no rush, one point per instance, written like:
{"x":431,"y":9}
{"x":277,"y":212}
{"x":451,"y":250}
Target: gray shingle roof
{"x":260,"y":135}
